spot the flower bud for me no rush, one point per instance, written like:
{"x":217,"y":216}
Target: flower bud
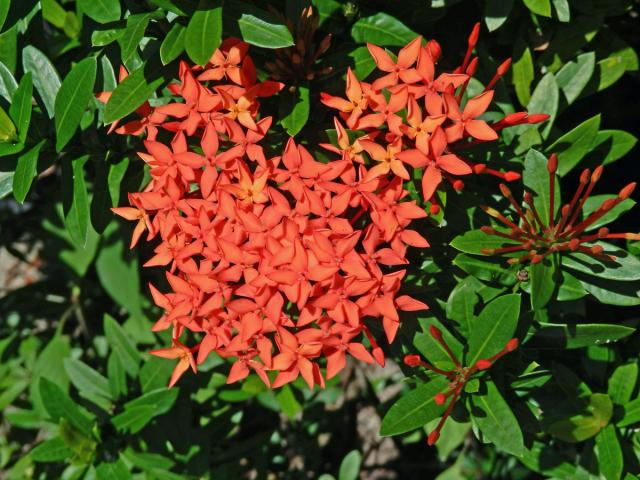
{"x":552,"y":164}
{"x":433,"y":437}
{"x":435,"y":332}
{"x":412,"y":360}
{"x":512,"y":345}
{"x":511,"y":176}
{"x":483,"y":364}
{"x":439,"y":399}
{"x":627,"y":191}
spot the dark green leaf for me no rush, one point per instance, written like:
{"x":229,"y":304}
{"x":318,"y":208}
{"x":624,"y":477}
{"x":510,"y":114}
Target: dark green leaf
{"x":45,"y":77}
{"x":86,"y":379}
{"x":490,"y":269}
{"x":134,"y":419}
{"x":204,"y":31}
{"x":155,"y":374}
{"x":52,"y":450}
{"x":263,"y":29}
{"x":560,"y":335}
{"x":611,"y":292}
{"x":59,"y":405}
{"x":113,"y":470}
{"x":25,"y":172}
{"x":494,"y":327}
{"x":545,"y":99}
{"x":622,"y":383}
{"x":72,"y":99}
{"x":129,"y":95}
{"x":161,"y":400}
{"x":611,"y":145}
{"x":574,"y":145}
{"x":173,"y":44}
{"x":594,"y":201}
{"x":610,"y":459}
{"x":574,"y":76}
{"x":433,"y":351}
{"x":132,"y":36}
{"x":122,"y":345}
{"x":496,"y":13}
{"x":536,"y":178}
{"x":382,"y":29}
{"x":631,"y":413}
{"x":496,"y":421}
{"x":543,"y":280}
{"x":350,"y":466}
{"x":20,"y":109}
{"x":625,"y":267}
{"x":414,"y":409}
{"x":77,"y":217}
{"x":295,"y":108}
{"x":102,"y":11}
{"x":474,"y":241}
{"x":461,"y":303}
{"x":611,"y":70}
{"x":116,"y":375}
{"x":575,"y":429}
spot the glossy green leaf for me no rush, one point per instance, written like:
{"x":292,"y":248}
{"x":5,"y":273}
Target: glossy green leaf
{"x":72,"y":100}
{"x":295,"y":109}
{"x":4,"y":11}
{"x":461,"y":304}
{"x":102,"y":11}
{"x":564,"y":336}
{"x":494,"y":327}
{"x":382,"y":29}
{"x":52,"y":450}
{"x":77,"y":216}
{"x":26,"y":171}
{"x":129,"y":95}
{"x":86,"y":379}
{"x":433,"y":351}
{"x":20,"y":109}
{"x":625,"y":267}
{"x":350,"y":466}
{"x":161,"y":399}
{"x":204,"y":31}
{"x":539,"y":7}
{"x":8,"y":131}
{"x":496,"y":421}
{"x":536,"y":178}
{"x":594,"y":201}
{"x":116,"y":375}
{"x":8,"y":84}
{"x":122,"y":345}
{"x":543,"y":278}
{"x":610,"y":460}
{"x":611,"y":145}
{"x":112,"y":470}
{"x":263,"y":29}
{"x":173,"y":44}
{"x":45,"y":77}
{"x":59,"y":405}
{"x":489,"y":269}
{"x":545,"y":99}
{"x":363,"y":62}
{"x":563,"y":12}
{"x":575,"y":144}
{"x":523,"y":73}
{"x":496,"y":13}
{"x":622,"y":383}
{"x":49,"y":365}
{"x":132,"y":36}
{"x":134,"y":419}
{"x":474,"y":241}
{"x":414,"y":409}
{"x":631,"y":413}
{"x":574,"y":76}
{"x":610,"y":71}
{"x":611,"y":292}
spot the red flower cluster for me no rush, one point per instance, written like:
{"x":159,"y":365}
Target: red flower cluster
{"x":534,"y":239}
{"x":458,"y":378}
{"x":267,"y":260}
{"x":436,"y":121}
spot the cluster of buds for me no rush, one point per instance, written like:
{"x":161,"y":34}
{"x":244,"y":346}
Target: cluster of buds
{"x":298,"y":62}
{"x":531,"y":240}
{"x":457,"y":378}
{"x":274,"y":263}
{"x":439,"y":123}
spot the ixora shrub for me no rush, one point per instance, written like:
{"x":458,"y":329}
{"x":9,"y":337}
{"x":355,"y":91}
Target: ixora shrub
{"x":353,"y":235}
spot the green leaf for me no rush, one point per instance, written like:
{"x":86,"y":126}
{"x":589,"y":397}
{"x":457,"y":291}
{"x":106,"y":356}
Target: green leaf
{"x":594,"y":201}
{"x":161,"y":400}
{"x":631,"y":413}
{"x":610,"y":71}
{"x":116,"y":375}
{"x":611,"y":145}
{"x":72,"y":99}
{"x":102,"y":11}
{"x":461,"y":304}
{"x":622,"y":383}
{"x":565,"y":336}
{"x":610,"y":459}
{"x":382,"y":29}
{"x":575,"y":429}
{"x":49,"y":365}
{"x":496,"y":421}
{"x":263,"y":29}
{"x":432,"y":350}
{"x":45,"y":77}
{"x":20,"y":109}
{"x":474,"y":241}
{"x":414,"y":409}
{"x":8,"y":84}
{"x":77,"y":216}
{"x":25,"y":172}
{"x":536,"y":178}
{"x":7,"y":128}
{"x":52,"y":450}
{"x":86,"y":379}
{"x":523,"y":73}
{"x":490,"y":269}
{"x":539,"y":7}
{"x":113,"y":470}
{"x":288,"y":402}
{"x":496,"y":13}
{"x":204,"y":31}
{"x":350,"y":466}
{"x":173,"y":44}
{"x":494,"y":327}
{"x":545,"y":99}
{"x":129,"y":95}
{"x":5,"y":5}
{"x":116,"y":174}
{"x":295,"y":110}
{"x":134,"y":419}
{"x":611,"y":292}
{"x":122,"y":345}
{"x":155,"y":374}
{"x":625,"y":267}
{"x":601,"y":406}
{"x":363,"y":62}
{"x":574,"y":76}
{"x":575,"y":144}
{"x":59,"y":405}
{"x":543,"y":277}
{"x":132,"y":36}
{"x":562,"y":10}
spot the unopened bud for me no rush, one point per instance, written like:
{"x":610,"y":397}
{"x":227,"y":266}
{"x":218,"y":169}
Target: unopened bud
{"x":603,"y":232}
{"x":412,"y":360}
{"x":474,"y":35}
{"x":597,"y":249}
{"x":597,"y":173}
{"x":504,"y":67}
{"x":439,"y":399}
{"x":584,"y":176}
{"x":505,"y":190}
{"x":574,"y":243}
{"x":473,"y":66}
{"x":488,"y":230}
{"x":435,"y":332}
{"x":512,"y":345}
{"x":511,"y":176}
{"x":483,"y":364}
{"x":552,"y":164}
{"x":458,"y":185}
{"x":627,"y":191}
{"x":433,"y":437}
{"x":434,"y":209}
{"x":434,"y":50}
{"x":479,"y":167}
{"x":537,"y":118}
{"x":536,"y":258}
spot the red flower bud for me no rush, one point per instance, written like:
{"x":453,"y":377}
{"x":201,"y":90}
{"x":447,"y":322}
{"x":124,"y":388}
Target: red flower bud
{"x":440,"y":399}
{"x":483,"y":364}
{"x":412,"y":360}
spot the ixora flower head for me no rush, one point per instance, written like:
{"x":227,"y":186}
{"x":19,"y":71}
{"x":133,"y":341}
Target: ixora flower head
{"x":531,"y":239}
{"x":276,"y":262}
{"x":457,"y":378}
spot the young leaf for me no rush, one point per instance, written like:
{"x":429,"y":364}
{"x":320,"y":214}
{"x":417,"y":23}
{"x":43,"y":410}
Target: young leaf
{"x":610,"y":460}
{"x":574,"y":145}
{"x":45,"y":77}
{"x":414,"y":409}
{"x":622,"y":383}
{"x":350,"y":466}
{"x":543,"y":280}
{"x":102,"y":11}
{"x":52,"y":450}
{"x":59,"y":405}
{"x":295,"y":107}
{"x":77,"y":217}
{"x":132,"y":36}
{"x":173,"y":44}
{"x":129,"y":95}
{"x":20,"y":109}
{"x":382,"y":29}
{"x":496,"y":421}
{"x":204,"y":31}
{"x":122,"y":345}
{"x":25,"y":172}
{"x":494,"y":327}
{"x":539,"y":7}
{"x":86,"y":379}
{"x":72,"y":99}
{"x":261,"y":28}
{"x":7,"y":128}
